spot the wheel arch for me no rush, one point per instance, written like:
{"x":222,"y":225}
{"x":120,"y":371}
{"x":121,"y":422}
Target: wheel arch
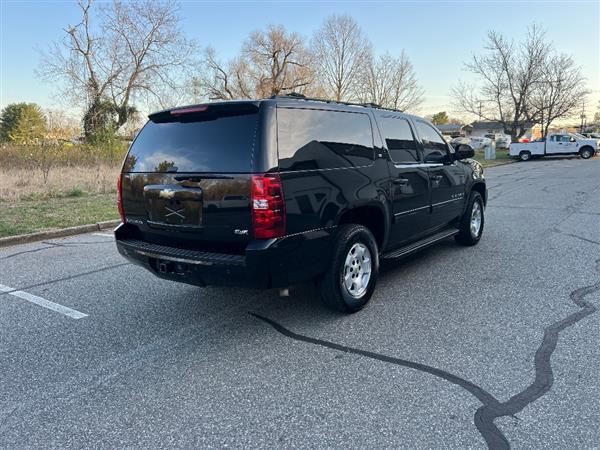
{"x":373,"y":216}
{"x":481,"y":188}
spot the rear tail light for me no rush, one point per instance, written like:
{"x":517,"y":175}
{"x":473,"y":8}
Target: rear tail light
{"x":120,"y":197}
{"x":268,"y":207}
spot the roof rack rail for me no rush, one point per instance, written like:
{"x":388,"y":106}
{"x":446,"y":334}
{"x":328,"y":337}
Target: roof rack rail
{"x":289,"y":94}
{"x":325,"y":100}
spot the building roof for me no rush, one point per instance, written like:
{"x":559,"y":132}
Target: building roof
{"x":490,"y":125}
{"x":485,"y":125}
{"x":449,"y":127}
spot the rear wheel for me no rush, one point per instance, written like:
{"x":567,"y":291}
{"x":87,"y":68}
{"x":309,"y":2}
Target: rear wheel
{"x":586,"y":153}
{"x":525,"y":155}
{"x":471,"y":224}
{"x":349,"y":282}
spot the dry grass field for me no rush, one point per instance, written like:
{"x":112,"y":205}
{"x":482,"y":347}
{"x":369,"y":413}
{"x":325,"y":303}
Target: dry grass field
{"x":73,"y":186}
{"x":20,"y":184}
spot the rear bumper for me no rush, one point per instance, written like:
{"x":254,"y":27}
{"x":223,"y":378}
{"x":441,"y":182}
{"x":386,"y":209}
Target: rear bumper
{"x":266,"y":263}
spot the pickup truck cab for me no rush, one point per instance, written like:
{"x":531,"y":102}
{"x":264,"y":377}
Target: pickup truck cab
{"x":274,"y":192}
{"x":555,"y":144}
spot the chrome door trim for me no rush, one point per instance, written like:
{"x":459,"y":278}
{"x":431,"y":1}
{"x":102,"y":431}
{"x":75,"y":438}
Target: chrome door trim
{"x":417,"y":165}
{"x":411,"y":210}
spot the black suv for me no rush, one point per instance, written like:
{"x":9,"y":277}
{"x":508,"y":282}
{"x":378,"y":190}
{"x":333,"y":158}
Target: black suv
{"x":273,"y":192}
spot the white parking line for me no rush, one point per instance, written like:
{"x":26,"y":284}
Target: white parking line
{"x":43,"y":302}
{"x":103,"y":234}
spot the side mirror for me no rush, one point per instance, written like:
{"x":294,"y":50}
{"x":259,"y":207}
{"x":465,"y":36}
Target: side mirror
{"x":437,"y":158}
{"x":464,"y":151}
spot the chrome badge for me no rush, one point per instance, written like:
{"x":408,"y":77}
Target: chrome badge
{"x":166,"y":193}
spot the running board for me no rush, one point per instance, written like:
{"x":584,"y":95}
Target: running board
{"x":416,"y":246}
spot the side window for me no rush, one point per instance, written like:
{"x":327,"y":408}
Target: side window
{"x":433,"y":143}
{"x":399,"y":139}
{"x":554,"y":138}
{"x":311,"y":139}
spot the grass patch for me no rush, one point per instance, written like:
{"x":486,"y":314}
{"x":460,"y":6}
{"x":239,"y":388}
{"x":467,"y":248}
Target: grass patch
{"x":75,"y":192}
{"x":502,"y":157}
{"x":29,"y":216}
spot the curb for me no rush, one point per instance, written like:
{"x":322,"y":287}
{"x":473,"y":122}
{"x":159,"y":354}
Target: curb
{"x":503,"y":163}
{"x":51,"y":234}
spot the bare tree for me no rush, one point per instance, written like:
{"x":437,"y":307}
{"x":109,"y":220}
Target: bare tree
{"x":219,"y":81}
{"x":509,"y":73}
{"x":136,"y":50}
{"x":277,"y":60}
{"x":342,"y":52}
{"x":560,"y":91}
{"x":391,"y":82}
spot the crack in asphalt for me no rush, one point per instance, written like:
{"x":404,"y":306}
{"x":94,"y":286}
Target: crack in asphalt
{"x":544,"y":375}
{"x":68,"y":277}
{"x":491,"y":408}
{"x":482,"y":395}
{"x":12,"y":255}
{"x":51,"y":245}
{"x":557,"y":230}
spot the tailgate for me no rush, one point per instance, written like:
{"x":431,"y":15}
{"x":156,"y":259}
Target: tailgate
{"x":208,"y":211}
{"x":187,"y":177}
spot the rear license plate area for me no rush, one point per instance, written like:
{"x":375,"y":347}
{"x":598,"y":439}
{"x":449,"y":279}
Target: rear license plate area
{"x":175,"y":212}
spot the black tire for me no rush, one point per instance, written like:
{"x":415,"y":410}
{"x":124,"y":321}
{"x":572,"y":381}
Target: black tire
{"x":525,"y":155}
{"x":465,"y":235}
{"x":334,"y":293}
{"x":586,"y":152}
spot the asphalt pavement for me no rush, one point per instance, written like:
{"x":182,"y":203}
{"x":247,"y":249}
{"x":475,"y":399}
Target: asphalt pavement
{"x":496,"y":344}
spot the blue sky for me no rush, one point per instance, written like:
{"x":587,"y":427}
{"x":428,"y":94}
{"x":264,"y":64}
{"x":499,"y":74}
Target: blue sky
{"x":438,"y":36}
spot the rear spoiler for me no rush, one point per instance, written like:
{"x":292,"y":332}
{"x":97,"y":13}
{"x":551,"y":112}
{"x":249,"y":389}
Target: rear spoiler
{"x":202,"y":112}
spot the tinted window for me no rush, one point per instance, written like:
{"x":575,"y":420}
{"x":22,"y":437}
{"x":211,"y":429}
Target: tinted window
{"x":208,"y":142}
{"x":399,"y":139}
{"x":433,"y":143}
{"x":312,"y":139}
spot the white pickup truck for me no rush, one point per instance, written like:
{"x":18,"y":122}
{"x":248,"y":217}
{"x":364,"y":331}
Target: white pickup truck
{"x":555,"y":144}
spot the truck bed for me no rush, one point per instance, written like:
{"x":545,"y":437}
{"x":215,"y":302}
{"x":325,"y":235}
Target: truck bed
{"x":535,"y":148}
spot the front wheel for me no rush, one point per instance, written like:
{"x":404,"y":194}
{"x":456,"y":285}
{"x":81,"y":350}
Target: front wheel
{"x":471,"y":224}
{"x":586,"y":153}
{"x":348,"y":284}
{"x":525,"y":155}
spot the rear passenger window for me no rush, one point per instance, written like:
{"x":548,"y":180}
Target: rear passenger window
{"x":433,"y":143}
{"x":311,"y":139}
{"x":399,"y":139}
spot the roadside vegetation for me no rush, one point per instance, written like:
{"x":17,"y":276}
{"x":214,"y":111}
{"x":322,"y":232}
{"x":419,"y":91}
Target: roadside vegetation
{"x":56,"y":185}
{"x":502,"y":157}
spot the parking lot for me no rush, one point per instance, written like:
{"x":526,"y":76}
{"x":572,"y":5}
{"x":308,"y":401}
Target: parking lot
{"x":495,"y":344}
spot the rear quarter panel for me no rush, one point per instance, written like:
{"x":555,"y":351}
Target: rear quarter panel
{"x":318,"y":198}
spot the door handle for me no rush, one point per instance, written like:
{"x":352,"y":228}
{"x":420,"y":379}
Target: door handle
{"x":400,"y":181}
{"x":437,"y":178}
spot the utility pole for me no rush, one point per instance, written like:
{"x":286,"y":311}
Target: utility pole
{"x":582,"y":116}
{"x":480,"y":107}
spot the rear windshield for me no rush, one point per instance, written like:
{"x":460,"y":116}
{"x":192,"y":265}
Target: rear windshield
{"x":216,"y":140}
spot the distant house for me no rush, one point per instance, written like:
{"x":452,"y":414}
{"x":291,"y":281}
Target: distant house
{"x":483,"y":128}
{"x":451,"y":129}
